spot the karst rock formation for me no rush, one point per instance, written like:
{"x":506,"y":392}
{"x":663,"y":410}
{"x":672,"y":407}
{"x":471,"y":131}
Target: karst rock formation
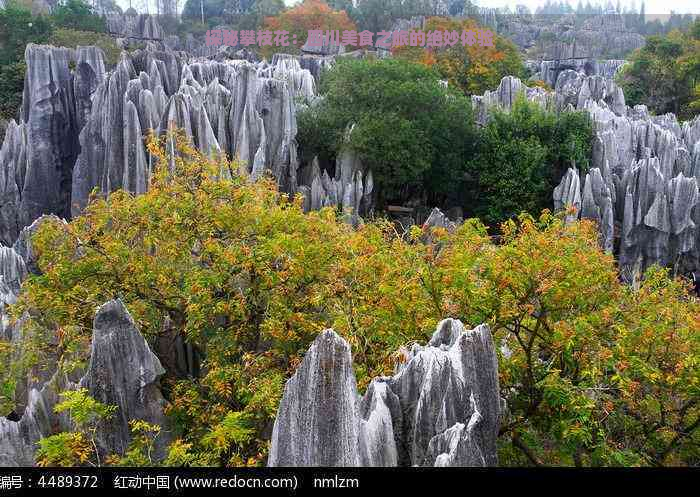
{"x":642,"y":184}
{"x":82,"y":127}
{"x":122,"y":372}
{"x":440,"y":408}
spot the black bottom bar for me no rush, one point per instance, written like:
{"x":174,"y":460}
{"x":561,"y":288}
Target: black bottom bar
{"x":304,"y":481}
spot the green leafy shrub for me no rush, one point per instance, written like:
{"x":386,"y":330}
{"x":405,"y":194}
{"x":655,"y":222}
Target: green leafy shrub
{"x":63,"y":37}
{"x":664,"y":74}
{"x":11,"y":88}
{"x":76,"y":447}
{"x":17,"y":28}
{"x":78,"y":16}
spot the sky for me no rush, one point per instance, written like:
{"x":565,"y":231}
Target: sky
{"x":651,"y":6}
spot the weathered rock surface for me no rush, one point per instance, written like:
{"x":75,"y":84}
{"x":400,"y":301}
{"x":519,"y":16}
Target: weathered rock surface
{"x":642,"y":186}
{"x":48,"y":111}
{"x":18,"y":438}
{"x":437,"y":219}
{"x":134,"y":25}
{"x":549,"y":70}
{"x":350,"y":189}
{"x":441,"y":408}
{"x":122,"y":372}
{"x":569,"y":37}
{"x":13,"y":271}
{"x":317,"y":420}
{"x":243,"y":109}
{"x":85,"y":129}
{"x":37,"y":155}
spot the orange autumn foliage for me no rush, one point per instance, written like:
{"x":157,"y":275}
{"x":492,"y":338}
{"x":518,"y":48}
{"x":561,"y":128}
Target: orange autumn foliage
{"x":472,"y":68}
{"x":300,"y":19}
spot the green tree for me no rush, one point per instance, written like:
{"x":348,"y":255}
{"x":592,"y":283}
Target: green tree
{"x":413,"y":133}
{"x":664,"y":74}
{"x":17,"y":28}
{"x":214,"y":14}
{"x":521,"y":156}
{"x":77,"y":15}
{"x":255,"y":16}
{"x":11,"y":88}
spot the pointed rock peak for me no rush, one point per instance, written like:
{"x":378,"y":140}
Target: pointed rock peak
{"x":448,"y":332}
{"x":110,"y":315}
{"x":441,"y":408}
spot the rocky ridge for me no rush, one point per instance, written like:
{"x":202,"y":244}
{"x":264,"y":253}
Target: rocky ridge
{"x":546,"y":37}
{"x":85,"y":128}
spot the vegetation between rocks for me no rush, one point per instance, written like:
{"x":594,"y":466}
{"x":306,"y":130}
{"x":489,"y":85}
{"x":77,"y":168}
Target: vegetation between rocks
{"x":593,"y":372}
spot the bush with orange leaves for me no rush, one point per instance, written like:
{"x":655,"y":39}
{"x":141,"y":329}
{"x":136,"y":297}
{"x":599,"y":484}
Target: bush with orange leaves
{"x":594,"y":372}
{"x":472,"y":68}
{"x":300,"y":19}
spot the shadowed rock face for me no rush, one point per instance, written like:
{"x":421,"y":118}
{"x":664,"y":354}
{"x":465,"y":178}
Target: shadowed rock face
{"x":642,"y":187}
{"x":48,"y":109}
{"x":441,"y":408}
{"x":122,"y":372}
{"x":37,"y":156}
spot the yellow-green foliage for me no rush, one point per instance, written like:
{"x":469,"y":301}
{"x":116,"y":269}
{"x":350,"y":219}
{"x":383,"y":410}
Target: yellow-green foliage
{"x":75,"y":448}
{"x":594,"y":373}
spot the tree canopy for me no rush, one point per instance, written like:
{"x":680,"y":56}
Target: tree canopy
{"x":77,"y":15}
{"x":521,"y":156}
{"x":665,"y":73}
{"x":300,"y":19}
{"x":411,"y":131}
{"x":593,"y":372}
{"x":69,"y":24}
{"x":17,"y":28}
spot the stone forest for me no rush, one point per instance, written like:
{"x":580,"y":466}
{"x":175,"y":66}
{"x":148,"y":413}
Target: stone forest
{"x":435,"y":254}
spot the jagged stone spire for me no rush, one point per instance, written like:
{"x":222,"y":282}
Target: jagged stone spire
{"x":441,"y":408}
